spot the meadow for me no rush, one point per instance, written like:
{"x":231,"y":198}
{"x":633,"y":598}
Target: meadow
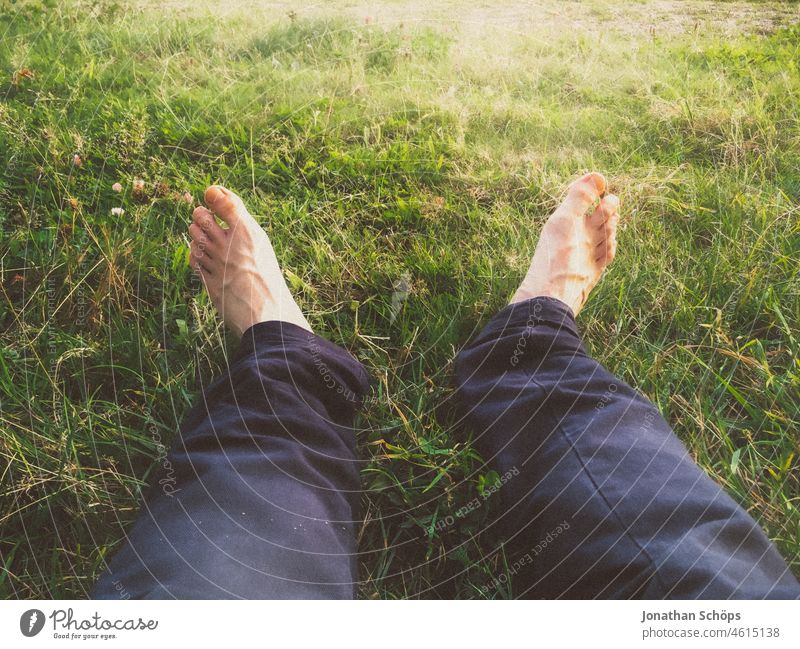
{"x":402,"y":157}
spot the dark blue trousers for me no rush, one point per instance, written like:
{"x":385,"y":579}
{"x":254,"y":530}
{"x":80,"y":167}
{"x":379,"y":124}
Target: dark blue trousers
{"x":259,"y":496}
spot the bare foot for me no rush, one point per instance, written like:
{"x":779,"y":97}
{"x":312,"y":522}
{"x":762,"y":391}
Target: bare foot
{"x":238,"y":265}
{"x":575,"y":247}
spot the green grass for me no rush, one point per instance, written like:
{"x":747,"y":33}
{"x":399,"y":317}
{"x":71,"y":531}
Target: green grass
{"x":421,"y":147}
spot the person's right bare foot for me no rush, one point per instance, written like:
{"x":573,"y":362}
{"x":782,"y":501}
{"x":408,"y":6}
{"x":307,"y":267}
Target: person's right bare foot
{"x":238,"y":265}
{"x":574,"y":247}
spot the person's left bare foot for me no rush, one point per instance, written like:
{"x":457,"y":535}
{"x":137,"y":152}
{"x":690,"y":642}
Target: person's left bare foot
{"x":238,"y":265}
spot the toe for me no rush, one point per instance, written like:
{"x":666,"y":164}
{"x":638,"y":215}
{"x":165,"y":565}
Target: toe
{"x":210,"y":281}
{"x":199,"y":259}
{"x":608,"y":206}
{"x":610,"y":225}
{"x":226,"y":205}
{"x":607,"y":250}
{"x":205,"y":220}
{"x":199,"y":236}
{"x":606,"y":230}
{"x":582,"y":194}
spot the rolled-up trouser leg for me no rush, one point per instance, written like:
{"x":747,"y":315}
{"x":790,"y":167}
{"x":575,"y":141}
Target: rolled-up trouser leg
{"x":258,"y":498}
{"x":599,"y":498}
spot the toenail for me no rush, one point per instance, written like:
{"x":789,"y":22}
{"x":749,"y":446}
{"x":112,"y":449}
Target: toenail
{"x":599,"y":181}
{"x":213,"y":193}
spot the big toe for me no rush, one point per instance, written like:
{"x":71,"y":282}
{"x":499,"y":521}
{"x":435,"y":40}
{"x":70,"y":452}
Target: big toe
{"x":226,"y":205}
{"x":583,"y":193}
